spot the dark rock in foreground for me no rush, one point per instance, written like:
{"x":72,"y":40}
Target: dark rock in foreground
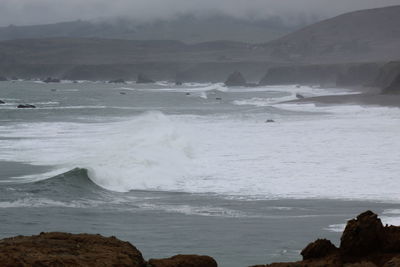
{"x":184,"y":260}
{"x":26,"y":106}
{"x":51,"y":80}
{"x":365,"y":242}
{"x":2,"y":102}
{"x":62,"y":249}
{"x":236,"y":79}
{"x":117,"y":81}
{"x":144,"y":79}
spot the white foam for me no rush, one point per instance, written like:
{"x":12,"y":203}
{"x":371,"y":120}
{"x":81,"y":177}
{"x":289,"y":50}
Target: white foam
{"x":43,"y":202}
{"x":350,"y":152}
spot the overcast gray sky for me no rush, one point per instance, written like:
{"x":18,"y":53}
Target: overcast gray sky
{"x":26,"y":12}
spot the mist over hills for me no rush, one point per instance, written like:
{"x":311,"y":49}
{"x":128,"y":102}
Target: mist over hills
{"x":186,"y":28}
{"x":367,"y":36}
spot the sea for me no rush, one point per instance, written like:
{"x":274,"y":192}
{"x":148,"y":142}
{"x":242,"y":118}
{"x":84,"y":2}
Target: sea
{"x":239,"y":174}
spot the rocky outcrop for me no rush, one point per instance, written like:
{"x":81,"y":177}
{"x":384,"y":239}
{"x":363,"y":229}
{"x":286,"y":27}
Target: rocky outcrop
{"x":117,"y":81}
{"x":51,"y":80}
{"x":387,"y":74}
{"x":184,"y":261}
{"x":64,"y":249}
{"x":394,"y":87}
{"x":26,"y":106}
{"x":323,"y":75}
{"x":365,"y":242}
{"x":236,"y":79}
{"x":143,"y":79}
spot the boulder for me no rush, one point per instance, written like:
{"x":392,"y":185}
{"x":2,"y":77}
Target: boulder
{"x":26,"y":106}
{"x":63,"y":249}
{"x":116,"y":81}
{"x":363,"y":235}
{"x":2,"y":102}
{"x":299,"y":96}
{"x":143,"y":79}
{"x":51,"y":80}
{"x":236,"y":79}
{"x":318,"y":249}
{"x":184,"y":261}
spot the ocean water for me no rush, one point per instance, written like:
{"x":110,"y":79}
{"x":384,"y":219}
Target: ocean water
{"x":194,"y":168}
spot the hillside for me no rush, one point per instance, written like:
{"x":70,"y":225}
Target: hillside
{"x":366,"y":35}
{"x":185,"y":28}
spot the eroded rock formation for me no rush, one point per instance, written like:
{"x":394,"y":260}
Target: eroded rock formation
{"x":365,"y":242}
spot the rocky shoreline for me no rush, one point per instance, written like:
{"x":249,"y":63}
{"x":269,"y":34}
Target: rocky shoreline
{"x":365,"y":242}
{"x":64,"y":249}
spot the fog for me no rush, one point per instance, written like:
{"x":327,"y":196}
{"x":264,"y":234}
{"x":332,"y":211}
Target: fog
{"x":28,"y":12}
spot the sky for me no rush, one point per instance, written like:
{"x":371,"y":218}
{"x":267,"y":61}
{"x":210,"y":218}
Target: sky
{"x":29,"y":12}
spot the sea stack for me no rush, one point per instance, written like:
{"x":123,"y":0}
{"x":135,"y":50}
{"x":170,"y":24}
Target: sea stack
{"x":143,"y":79}
{"x":236,"y":79}
{"x":51,"y":80}
{"x":394,"y":87}
{"x":26,"y":106}
{"x":117,"y":81}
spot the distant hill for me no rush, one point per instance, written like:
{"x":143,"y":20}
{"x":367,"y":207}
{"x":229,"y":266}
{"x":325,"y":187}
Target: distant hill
{"x":366,"y":35}
{"x":186,"y":28}
{"x":358,"y":37}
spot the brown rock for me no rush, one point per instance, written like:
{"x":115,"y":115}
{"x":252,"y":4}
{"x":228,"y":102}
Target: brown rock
{"x":360,"y":264}
{"x":62,"y":249}
{"x":318,"y":249}
{"x":184,"y":261}
{"x":365,"y":243}
{"x":394,"y":262}
{"x":363,"y":235}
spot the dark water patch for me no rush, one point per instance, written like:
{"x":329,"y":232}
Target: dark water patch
{"x":15,"y":169}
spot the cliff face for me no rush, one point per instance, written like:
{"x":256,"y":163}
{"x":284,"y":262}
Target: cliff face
{"x":365,"y":242}
{"x":325,"y":75}
{"x":388,"y":78}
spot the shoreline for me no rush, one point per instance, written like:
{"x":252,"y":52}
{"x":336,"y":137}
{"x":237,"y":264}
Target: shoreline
{"x":367,"y":99}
